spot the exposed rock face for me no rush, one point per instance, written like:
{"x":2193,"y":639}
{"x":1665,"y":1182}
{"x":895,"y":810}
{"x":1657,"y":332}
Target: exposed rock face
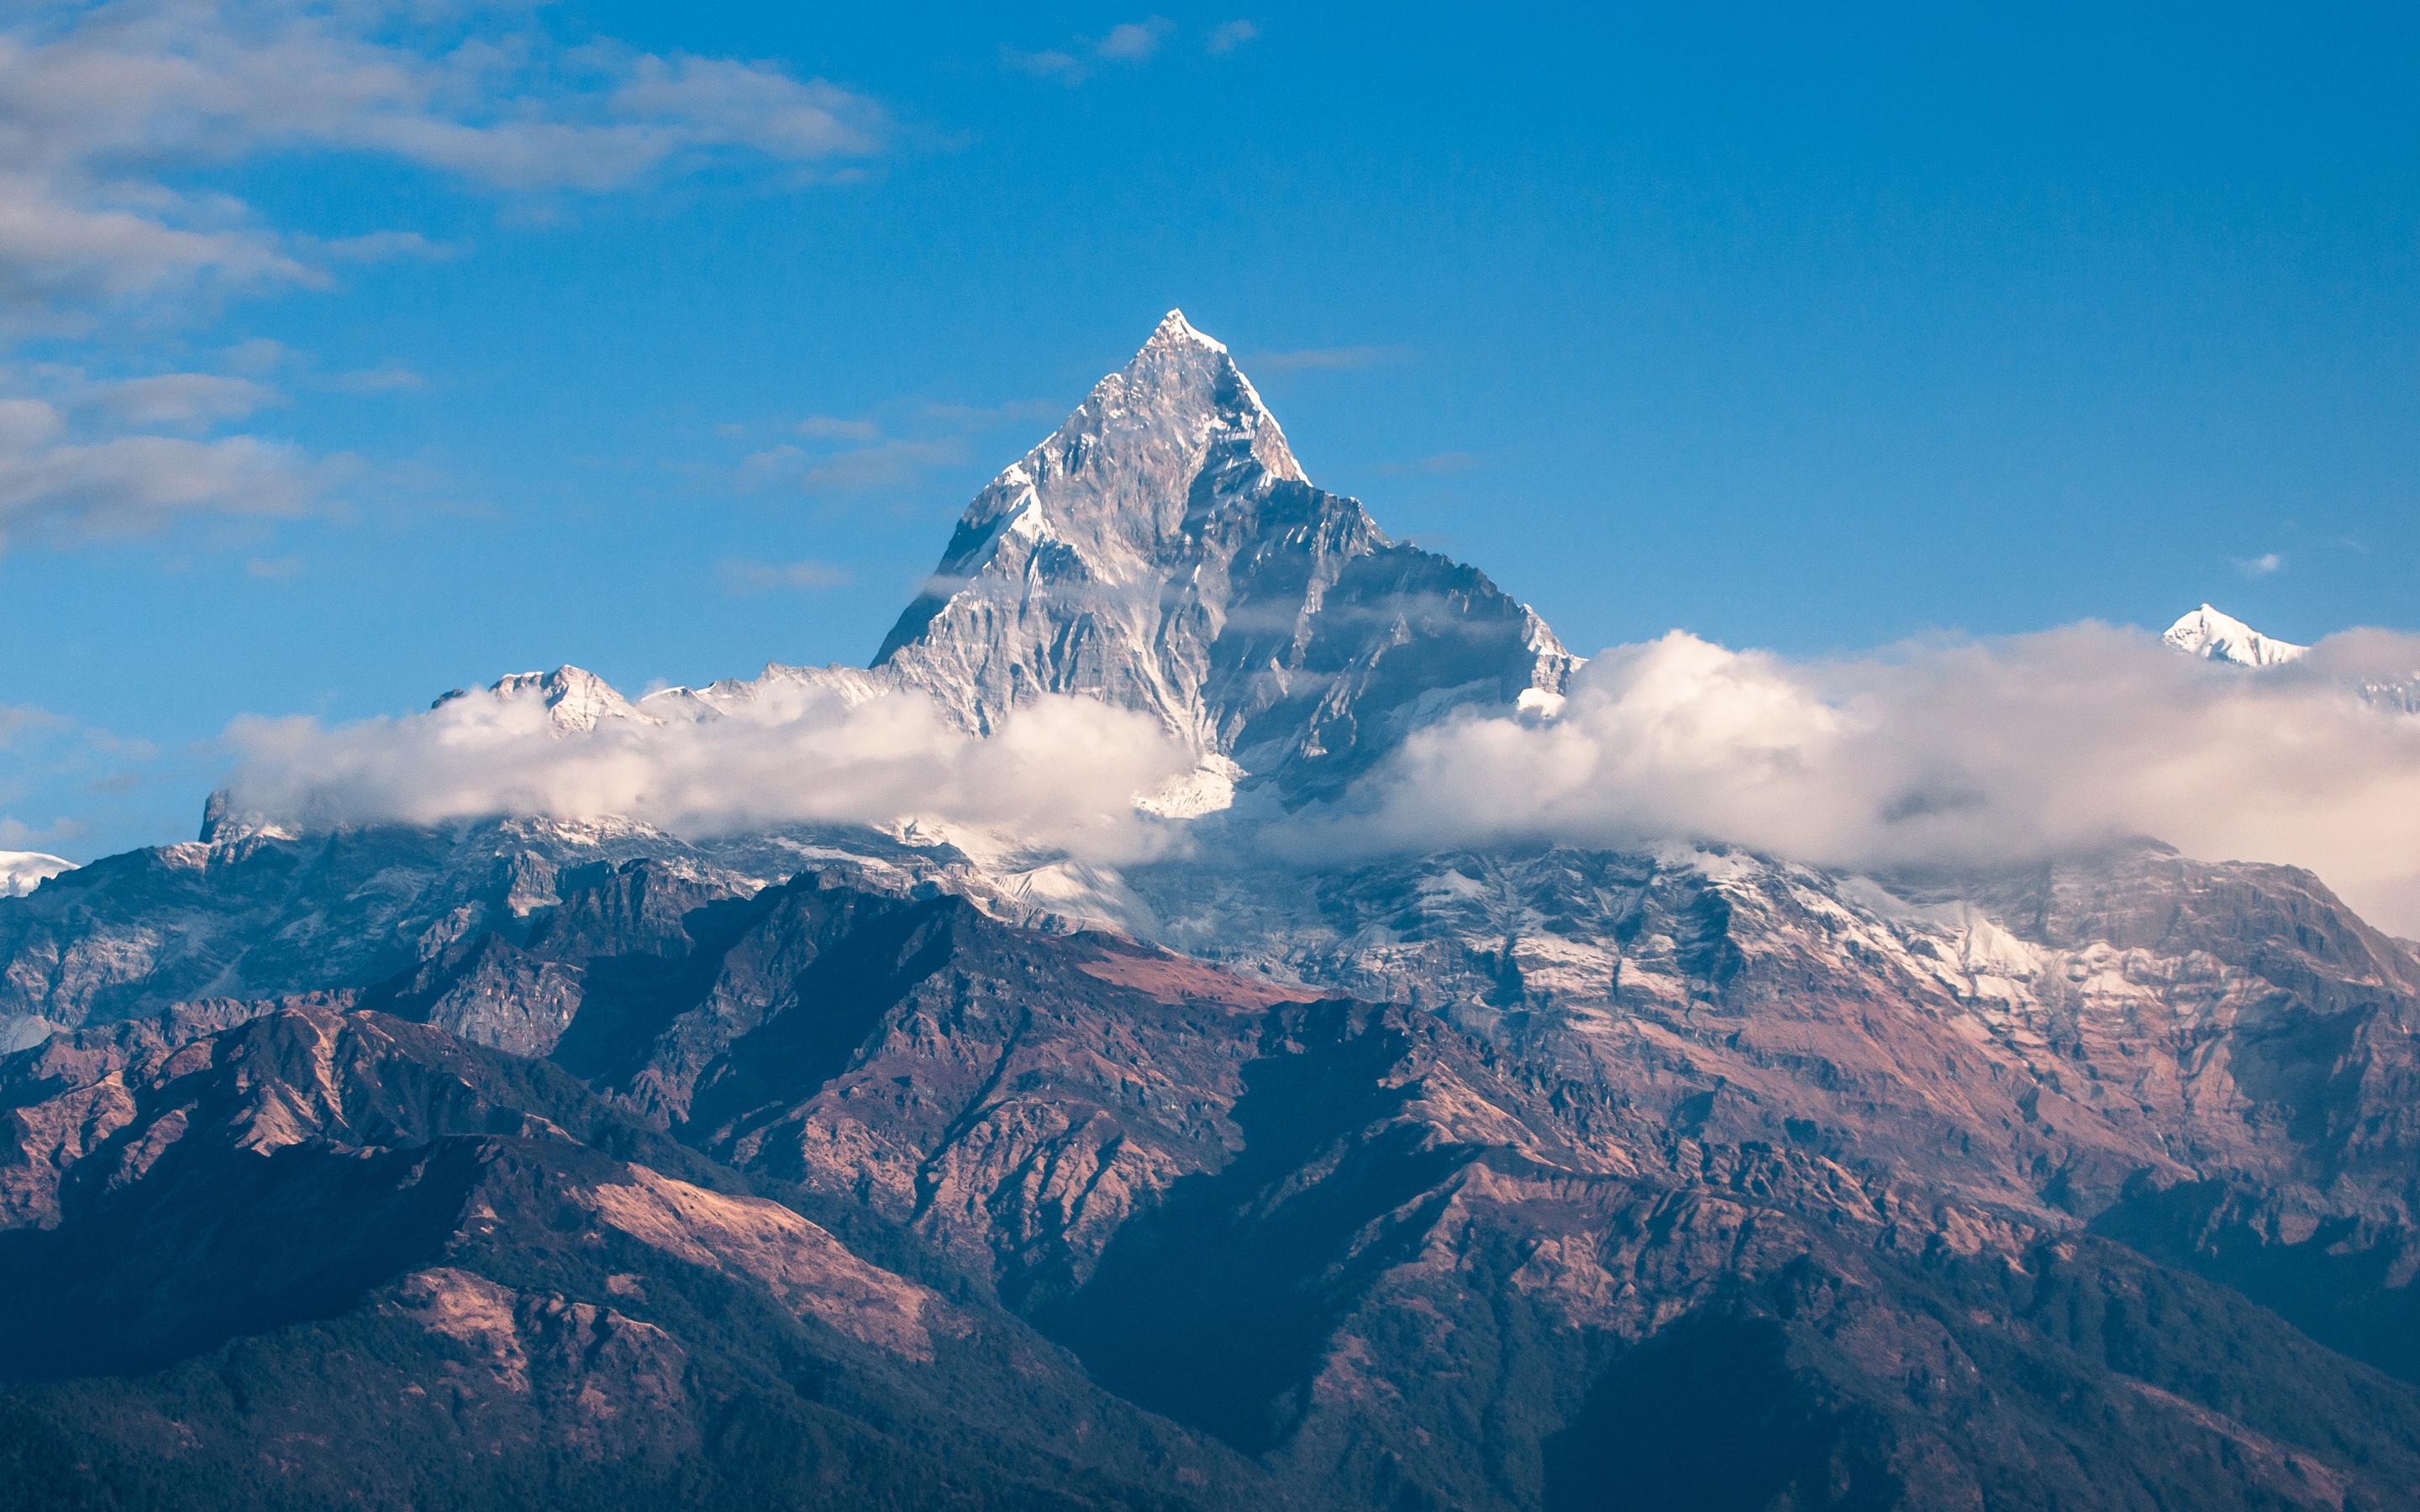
{"x":2220,"y":1055}
{"x":1384,"y":1255}
{"x":1163,"y":550}
{"x":254,"y":914}
{"x":831,"y":1167}
{"x":502,"y":1275}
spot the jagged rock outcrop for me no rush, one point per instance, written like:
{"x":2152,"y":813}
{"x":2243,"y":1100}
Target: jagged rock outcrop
{"x":830,"y":1165}
{"x":1390,"y":1258}
{"x":504,"y":1282}
{"x":1163,"y":551}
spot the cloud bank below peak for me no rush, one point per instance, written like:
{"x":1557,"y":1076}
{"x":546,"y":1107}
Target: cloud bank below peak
{"x":1949,"y":754}
{"x":1064,"y":774}
{"x":1962,"y":755}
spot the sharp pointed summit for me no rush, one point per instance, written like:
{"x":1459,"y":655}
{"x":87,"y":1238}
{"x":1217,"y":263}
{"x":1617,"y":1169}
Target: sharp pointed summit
{"x":2218,"y":637}
{"x":1163,"y":551}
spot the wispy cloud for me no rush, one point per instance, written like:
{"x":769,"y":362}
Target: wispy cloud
{"x":1327,"y":359}
{"x":184,"y":399}
{"x":1133,"y":42}
{"x":1047,"y":63}
{"x":387,"y":246}
{"x":50,"y":763}
{"x":102,"y":104}
{"x":116,"y":115}
{"x":2260,"y":567}
{"x":60,"y":492}
{"x":1229,"y":35}
{"x":1129,"y":42}
{"x":745,"y":579}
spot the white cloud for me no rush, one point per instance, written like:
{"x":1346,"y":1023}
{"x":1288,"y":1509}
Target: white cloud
{"x":61,"y":491}
{"x":100,"y":101}
{"x":1133,"y":42}
{"x":1049,"y":64}
{"x":2260,"y":567}
{"x":108,"y":107}
{"x":707,"y":102}
{"x":1229,"y":35}
{"x":1128,"y":42}
{"x":77,"y":241}
{"x":184,"y":399}
{"x":1951,"y":754}
{"x":27,"y":423}
{"x":1063,"y":773}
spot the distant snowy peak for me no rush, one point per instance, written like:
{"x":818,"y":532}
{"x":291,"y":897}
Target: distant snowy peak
{"x":577,"y":701}
{"x":2216,"y":637}
{"x":21,"y":872}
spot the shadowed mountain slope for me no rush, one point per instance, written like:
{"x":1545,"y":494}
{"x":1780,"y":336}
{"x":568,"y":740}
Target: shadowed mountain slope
{"x":521,"y":1161}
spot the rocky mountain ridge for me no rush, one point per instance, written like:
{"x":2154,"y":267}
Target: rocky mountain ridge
{"x":2217,"y":637}
{"x":1163,"y":552}
{"x":1346,"y":1251}
{"x":517,"y":1161}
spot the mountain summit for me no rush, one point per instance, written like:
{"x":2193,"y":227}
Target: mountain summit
{"x":1163,"y":551}
{"x":539,"y":1161}
{"x":2217,"y":637}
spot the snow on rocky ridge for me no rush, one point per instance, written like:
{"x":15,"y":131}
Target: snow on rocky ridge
{"x":1163,"y":552}
{"x":2218,"y":637}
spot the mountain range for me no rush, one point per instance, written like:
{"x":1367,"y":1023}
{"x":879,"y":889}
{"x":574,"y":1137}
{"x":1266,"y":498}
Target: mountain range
{"x":530,"y":1160}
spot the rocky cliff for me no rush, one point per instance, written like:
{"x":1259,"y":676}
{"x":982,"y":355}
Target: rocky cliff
{"x":525,"y":1161}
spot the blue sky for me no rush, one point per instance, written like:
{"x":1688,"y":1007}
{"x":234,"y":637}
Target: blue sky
{"x":355,"y":352}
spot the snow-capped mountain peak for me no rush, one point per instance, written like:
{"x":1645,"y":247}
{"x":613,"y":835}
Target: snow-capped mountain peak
{"x":2217,"y":637}
{"x":1163,"y":550}
{"x":577,"y":699}
{"x":1173,"y":327}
